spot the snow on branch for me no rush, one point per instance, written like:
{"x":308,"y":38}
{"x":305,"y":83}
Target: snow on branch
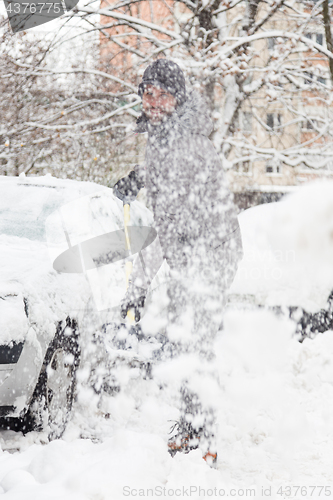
{"x":48,"y":71}
{"x":87,"y":123}
{"x":130,"y":19}
{"x":276,"y":34}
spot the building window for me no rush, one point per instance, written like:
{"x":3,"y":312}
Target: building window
{"x":308,"y":125}
{"x":317,"y":37}
{"x":244,"y":167}
{"x":273,"y":167}
{"x":270,"y":120}
{"x":309,"y":78}
{"x":248,"y":79}
{"x":271,"y":43}
{"x":274,"y":120}
{"x":246,"y":122}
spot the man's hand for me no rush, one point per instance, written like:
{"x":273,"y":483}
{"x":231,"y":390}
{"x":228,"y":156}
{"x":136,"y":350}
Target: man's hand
{"x":134,"y":299}
{"x":127,"y":188}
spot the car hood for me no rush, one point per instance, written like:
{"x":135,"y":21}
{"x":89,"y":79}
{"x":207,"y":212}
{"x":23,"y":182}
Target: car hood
{"x":26,"y":271}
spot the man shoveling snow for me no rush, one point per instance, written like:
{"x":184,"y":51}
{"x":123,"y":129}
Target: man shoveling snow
{"x":197,"y":229}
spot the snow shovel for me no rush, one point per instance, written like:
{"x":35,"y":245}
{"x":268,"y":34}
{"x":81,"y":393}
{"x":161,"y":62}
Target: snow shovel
{"x":126,"y":199}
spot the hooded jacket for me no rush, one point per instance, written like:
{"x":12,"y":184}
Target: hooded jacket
{"x":187,"y":188}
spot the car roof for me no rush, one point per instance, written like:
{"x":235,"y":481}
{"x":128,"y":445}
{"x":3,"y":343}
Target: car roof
{"x":49,"y":181}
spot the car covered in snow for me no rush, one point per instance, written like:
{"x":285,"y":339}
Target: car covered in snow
{"x":62,"y":269}
{"x":288,"y":248}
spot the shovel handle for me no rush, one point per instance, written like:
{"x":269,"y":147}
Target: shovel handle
{"x":126,"y":224}
{"x":129,"y":264}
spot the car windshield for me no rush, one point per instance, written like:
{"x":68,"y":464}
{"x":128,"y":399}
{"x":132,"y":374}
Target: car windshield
{"x":25,"y":207}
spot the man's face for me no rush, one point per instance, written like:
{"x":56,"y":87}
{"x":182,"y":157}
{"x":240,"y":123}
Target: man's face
{"x":157,"y":103}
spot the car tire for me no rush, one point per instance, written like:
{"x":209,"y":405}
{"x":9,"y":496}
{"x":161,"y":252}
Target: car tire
{"x":54,"y":394}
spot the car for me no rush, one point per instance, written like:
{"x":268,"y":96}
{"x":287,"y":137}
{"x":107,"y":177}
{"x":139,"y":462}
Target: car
{"x":287,"y":264}
{"x":62,"y":274}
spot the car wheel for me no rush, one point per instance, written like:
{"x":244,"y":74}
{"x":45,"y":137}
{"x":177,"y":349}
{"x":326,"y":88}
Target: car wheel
{"x":53,"y":397}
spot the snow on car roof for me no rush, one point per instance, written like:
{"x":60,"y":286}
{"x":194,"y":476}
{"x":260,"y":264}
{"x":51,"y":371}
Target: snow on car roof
{"x":26,"y":202}
{"x":49,"y":181}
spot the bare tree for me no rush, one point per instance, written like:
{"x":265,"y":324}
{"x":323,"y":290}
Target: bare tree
{"x":264,"y":67}
{"x":60,"y":118}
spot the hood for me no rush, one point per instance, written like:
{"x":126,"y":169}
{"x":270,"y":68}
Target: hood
{"x":192,"y":116}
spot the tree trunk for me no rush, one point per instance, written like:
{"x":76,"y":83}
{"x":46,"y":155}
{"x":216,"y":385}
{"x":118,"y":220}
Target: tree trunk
{"x":328,"y":34}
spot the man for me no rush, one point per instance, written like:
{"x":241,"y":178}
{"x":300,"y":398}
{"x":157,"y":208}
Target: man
{"x":197,"y":226}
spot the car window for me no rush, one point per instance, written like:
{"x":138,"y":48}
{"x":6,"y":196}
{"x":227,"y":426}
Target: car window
{"x":24,"y":209}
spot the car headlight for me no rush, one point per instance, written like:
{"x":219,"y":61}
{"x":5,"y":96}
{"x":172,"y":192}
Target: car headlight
{"x":10,"y":354}
{"x":14,"y":327}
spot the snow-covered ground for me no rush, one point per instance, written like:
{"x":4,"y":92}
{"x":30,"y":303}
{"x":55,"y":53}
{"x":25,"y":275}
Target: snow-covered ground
{"x":274,"y":401}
